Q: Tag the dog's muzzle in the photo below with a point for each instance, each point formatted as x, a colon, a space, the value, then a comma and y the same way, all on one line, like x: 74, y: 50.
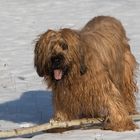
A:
x: 58, y: 68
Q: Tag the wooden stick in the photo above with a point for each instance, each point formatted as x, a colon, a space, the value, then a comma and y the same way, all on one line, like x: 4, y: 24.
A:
x: 55, y: 124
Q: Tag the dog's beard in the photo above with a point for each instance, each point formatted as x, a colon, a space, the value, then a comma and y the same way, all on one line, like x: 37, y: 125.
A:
x: 57, y: 68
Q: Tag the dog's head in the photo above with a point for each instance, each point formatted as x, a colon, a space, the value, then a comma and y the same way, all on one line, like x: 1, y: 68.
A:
x: 57, y: 52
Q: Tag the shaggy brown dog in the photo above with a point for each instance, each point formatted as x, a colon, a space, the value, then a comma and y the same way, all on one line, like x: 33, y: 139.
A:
x: 91, y: 72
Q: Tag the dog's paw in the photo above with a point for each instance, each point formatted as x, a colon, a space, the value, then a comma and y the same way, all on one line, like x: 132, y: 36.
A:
x: 120, y: 127
x: 53, y: 120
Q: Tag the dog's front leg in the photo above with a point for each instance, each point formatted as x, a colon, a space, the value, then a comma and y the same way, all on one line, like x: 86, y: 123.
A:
x: 60, y: 116
x: 118, y: 118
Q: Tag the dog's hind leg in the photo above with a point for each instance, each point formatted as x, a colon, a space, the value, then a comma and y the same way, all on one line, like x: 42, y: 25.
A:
x: 129, y: 85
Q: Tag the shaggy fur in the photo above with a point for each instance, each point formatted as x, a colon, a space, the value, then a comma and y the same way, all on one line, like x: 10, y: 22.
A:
x: 91, y: 72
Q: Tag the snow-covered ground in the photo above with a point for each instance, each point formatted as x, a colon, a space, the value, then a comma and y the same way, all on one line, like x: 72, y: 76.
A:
x: 23, y: 95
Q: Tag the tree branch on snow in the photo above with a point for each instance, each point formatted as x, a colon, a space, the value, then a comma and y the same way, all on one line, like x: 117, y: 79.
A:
x: 54, y: 125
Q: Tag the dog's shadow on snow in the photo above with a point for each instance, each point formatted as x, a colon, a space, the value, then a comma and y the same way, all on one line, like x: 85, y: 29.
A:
x: 32, y: 107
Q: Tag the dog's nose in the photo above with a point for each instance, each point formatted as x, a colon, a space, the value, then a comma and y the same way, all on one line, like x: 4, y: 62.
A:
x: 56, y: 61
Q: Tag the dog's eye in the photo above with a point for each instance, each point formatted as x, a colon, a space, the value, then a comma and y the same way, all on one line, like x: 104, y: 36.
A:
x: 64, y: 46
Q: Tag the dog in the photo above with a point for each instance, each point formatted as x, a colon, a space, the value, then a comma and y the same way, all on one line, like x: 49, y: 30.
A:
x: 91, y: 72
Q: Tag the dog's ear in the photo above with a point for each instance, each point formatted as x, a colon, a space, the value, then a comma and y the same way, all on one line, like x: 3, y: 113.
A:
x: 40, y: 51
x: 37, y: 59
x: 83, y: 67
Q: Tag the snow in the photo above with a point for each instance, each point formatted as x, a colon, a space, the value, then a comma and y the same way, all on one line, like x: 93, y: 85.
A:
x: 24, y: 100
